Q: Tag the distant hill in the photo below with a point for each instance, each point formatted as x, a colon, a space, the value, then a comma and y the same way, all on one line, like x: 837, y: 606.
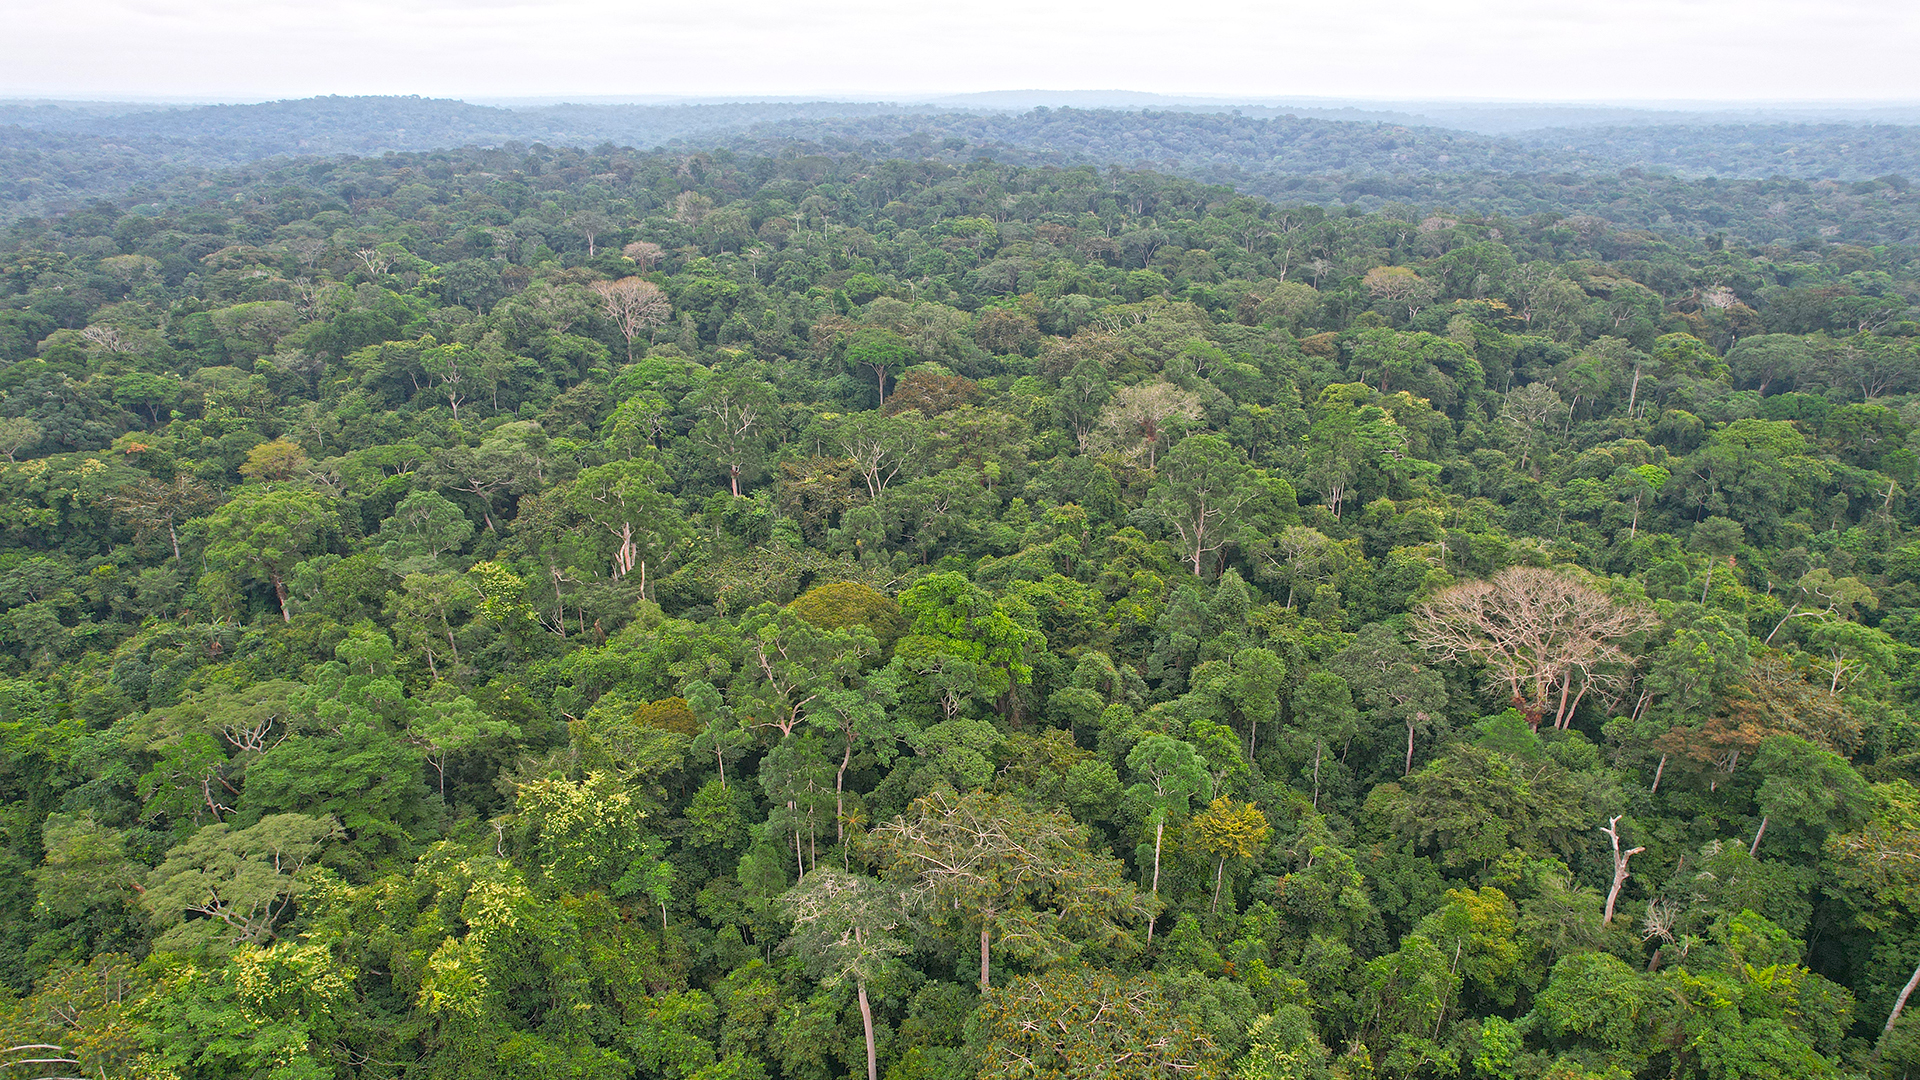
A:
x: 55, y: 156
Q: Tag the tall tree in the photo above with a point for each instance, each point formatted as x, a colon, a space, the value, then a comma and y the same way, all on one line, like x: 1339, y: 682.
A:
x: 1171, y: 775
x: 1202, y: 491
x: 261, y: 534
x: 1544, y: 636
x: 635, y: 307
x: 1020, y: 877
x: 844, y: 929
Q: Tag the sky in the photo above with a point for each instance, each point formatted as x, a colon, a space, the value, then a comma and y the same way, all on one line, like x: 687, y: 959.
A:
x: 1499, y: 50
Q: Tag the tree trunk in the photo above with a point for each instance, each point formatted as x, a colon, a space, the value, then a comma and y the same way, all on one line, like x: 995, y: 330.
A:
x: 1318, y: 746
x: 1159, y: 831
x: 866, y: 1021
x: 280, y: 590
x: 1899, y: 1005
x: 1219, y: 875
x: 175, y: 537
x: 1566, y: 720
x: 1751, y: 851
x: 1409, y: 768
x: 839, y: 795
x: 1658, y: 770
x: 986, y: 943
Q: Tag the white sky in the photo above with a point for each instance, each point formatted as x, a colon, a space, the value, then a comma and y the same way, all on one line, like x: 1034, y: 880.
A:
x: 1521, y: 50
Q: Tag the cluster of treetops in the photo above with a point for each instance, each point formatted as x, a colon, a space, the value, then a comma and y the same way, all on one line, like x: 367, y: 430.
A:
x: 573, y: 615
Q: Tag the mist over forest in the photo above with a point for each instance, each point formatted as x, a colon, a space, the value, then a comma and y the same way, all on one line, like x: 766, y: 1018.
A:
x: 1010, y: 587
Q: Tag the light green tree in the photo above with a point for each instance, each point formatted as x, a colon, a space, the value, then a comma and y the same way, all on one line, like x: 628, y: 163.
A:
x: 1170, y: 776
x: 844, y: 928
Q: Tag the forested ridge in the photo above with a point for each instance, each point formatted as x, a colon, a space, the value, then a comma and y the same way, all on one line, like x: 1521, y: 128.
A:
x: 799, y: 615
x: 1634, y: 167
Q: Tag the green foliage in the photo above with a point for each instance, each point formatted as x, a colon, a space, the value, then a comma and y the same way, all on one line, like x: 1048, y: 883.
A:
x: 420, y: 670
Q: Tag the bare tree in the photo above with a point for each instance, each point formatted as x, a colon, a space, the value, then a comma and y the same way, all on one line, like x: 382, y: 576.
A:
x: 1620, y: 858
x: 1544, y: 636
x: 633, y: 305
x: 645, y: 253
x: 376, y: 261
x: 1136, y: 422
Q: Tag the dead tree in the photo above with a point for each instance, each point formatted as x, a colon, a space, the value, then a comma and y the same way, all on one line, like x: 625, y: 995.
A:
x: 1620, y: 858
x: 633, y: 305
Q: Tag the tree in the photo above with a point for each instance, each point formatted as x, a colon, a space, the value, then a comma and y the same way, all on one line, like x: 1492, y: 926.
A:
x: 1810, y: 790
x: 1021, y: 877
x: 1201, y: 494
x: 1718, y: 538
x: 734, y: 412
x: 1395, y: 688
x: 510, y: 457
x: 964, y: 644
x: 261, y: 534
x: 86, y: 864
x: 424, y: 612
x: 1258, y: 679
x: 635, y: 306
x: 1354, y: 439
x: 590, y: 224
x: 19, y: 433
x: 1083, y: 392
x: 276, y: 461
x: 878, y: 350
x: 1090, y: 1024
x: 1136, y: 423
x: 1399, y: 286
x: 1171, y: 776
x: 451, y: 366
x: 239, y: 881
x: 1227, y: 828
x: 444, y: 725
x: 625, y: 501
x: 424, y: 526
x: 148, y: 391
x: 879, y: 446
x: 152, y: 505
x: 1323, y: 713
x: 1818, y: 594
x: 1543, y: 636
x: 843, y: 927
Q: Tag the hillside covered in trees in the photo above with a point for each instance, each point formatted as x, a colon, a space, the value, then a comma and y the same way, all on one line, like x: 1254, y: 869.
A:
x: 1632, y: 166
x: 797, y: 615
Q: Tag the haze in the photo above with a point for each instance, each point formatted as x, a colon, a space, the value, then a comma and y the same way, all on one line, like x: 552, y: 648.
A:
x: 1634, y: 50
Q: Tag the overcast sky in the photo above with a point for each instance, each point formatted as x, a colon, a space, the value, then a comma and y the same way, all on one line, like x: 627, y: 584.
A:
x: 1525, y: 50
